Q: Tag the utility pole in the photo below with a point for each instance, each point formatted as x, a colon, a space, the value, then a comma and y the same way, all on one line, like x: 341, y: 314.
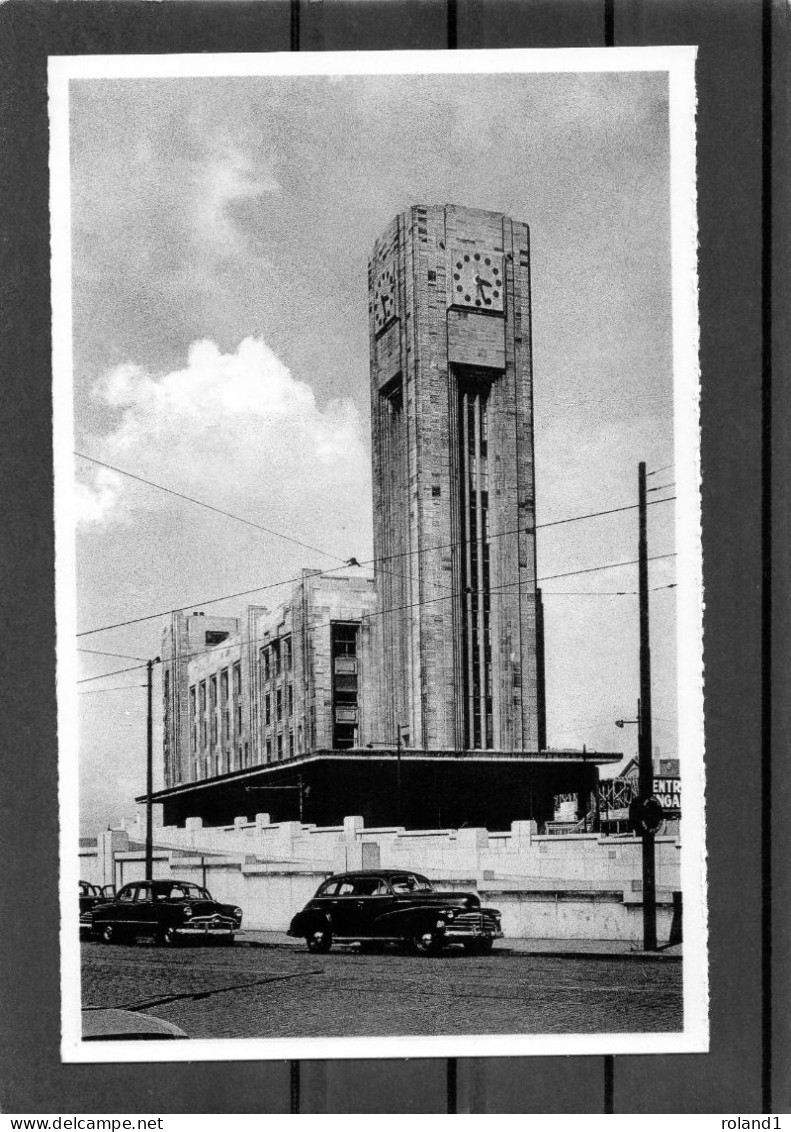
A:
x: 398, y: 774
x: 644, y: 730
x: 150, y: 773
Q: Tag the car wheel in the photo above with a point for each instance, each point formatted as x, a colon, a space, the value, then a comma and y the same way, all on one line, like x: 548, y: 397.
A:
x: 168, y: 937
x: 110, y: 934
x: 479, y: 947
x: 426, y: 943
x: 319, y: 941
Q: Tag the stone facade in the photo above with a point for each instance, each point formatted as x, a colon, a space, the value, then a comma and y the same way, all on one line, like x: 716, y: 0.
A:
x: 454, y: 496
x: 282, y: 683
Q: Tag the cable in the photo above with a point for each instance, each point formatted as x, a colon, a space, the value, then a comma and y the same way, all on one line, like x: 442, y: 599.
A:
x: 656, y: 471
x: 100, y: 652
x: 447, y: 597
x: 118, y: 688
x: 115, y: 672
x: 364, y: 562
x: 208, y: 506
x: 596, y: 514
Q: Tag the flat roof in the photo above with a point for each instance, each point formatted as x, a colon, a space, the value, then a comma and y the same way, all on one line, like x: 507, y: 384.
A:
x: 387, y: 754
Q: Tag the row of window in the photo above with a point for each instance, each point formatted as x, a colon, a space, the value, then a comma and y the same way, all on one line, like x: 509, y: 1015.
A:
x: 276, y: 658
x: 275, y: 705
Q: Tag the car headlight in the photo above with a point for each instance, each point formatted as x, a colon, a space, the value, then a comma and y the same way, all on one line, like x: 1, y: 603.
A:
x: 449, y: 914
x: 237, y: 912
x: 187, y: 912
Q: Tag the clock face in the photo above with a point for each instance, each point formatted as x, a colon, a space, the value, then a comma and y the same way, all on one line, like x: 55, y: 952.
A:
x: 476, y: 280
x: 384, y: 299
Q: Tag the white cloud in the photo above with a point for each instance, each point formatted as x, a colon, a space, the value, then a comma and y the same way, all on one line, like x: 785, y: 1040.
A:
x: 226, y: 177
x: 235, y: 430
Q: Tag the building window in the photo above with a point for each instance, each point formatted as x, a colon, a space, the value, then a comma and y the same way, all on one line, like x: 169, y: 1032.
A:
x: 203, y: 697
x: 280, y: 746
x: 213, y: 694
x: 276, y: 657
x: 269, y: 750
x: 237, y: 679
x: 291, y: 744
x: 287, y: 654
x: 216, y: 636
x: 268, y: 709
x: 214, y: 730
x: 279, y: 704
x: 343, y: 641
x: 267, y: 664
x: 224, y: 685
x: 227, y: 719
x: 238, y: 719
x: 291, y: 699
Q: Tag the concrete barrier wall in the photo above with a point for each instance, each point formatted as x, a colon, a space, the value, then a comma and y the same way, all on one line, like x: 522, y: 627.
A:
x: 270, y: 896
x: 518, y: 857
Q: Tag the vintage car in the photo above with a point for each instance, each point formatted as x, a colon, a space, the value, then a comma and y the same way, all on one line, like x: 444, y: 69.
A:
x: 90, y: 896
x: 395, y: 905
x: 169, y: 910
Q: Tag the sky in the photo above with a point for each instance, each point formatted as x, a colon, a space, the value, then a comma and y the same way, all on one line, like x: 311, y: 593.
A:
x: 221, y: 229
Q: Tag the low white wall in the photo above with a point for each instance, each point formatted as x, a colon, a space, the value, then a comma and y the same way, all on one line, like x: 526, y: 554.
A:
x: 518, y: 857
x: 270, y: 896
x: 578, y: 886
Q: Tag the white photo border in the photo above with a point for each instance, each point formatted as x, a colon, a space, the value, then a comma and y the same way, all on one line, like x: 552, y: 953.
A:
x: 679, y: 63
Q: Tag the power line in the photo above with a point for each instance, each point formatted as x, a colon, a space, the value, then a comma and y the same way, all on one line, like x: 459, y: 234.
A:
x: 447, y: 597
x: 208, y: 506
x: 100, y: 652
x: 597, y: 514
x: 656, y: 471
x: 117, y: 688
x: 365, y: 562
x: 115, y: 672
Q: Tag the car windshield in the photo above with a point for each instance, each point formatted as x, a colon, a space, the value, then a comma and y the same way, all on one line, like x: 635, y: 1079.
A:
x: 411, y: 882
x: 182, y: 891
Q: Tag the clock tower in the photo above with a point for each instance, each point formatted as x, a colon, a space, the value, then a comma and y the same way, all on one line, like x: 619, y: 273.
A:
x: 454, y: 497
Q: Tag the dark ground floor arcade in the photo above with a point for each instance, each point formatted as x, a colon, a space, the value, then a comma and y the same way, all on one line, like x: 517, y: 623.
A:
x: 414, y: 789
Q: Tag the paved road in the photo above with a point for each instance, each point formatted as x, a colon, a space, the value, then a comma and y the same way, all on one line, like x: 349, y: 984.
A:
x: 284, y: 991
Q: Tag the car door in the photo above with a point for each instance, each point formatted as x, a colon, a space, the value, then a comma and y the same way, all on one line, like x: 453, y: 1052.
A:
x: 373, y: 900
x: 343, y: 908
x: 145, y: 913
x: 361, y: 902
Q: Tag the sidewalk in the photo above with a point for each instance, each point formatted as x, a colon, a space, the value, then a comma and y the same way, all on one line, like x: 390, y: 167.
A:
x: 568, y: 948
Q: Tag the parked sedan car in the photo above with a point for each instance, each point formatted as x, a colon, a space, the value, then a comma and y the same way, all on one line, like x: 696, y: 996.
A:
x: 90, y: 896
x: 395, y: 905
x: 168, y: 910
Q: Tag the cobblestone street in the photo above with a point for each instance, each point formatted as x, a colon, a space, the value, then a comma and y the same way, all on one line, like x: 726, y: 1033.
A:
x: 281, y: 990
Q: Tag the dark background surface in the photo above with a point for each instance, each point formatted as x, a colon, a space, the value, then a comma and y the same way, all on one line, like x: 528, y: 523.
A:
x: 743, y: 119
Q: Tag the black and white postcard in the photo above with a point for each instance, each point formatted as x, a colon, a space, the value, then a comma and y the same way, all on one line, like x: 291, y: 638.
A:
x: 379, y: 579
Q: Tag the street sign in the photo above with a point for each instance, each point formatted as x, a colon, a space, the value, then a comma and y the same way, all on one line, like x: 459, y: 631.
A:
x: 646, y: 814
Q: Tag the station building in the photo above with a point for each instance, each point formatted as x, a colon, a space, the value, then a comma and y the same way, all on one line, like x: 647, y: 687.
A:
x: 416, y: 697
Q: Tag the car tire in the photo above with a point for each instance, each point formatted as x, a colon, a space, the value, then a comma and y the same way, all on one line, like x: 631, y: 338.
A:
x: 479, y: 947
x: 426, y: 943
x: 109, y: 933
x: 168, y: 937
x: 319, y: 942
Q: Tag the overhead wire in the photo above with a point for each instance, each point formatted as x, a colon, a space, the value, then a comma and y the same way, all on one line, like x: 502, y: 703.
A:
x: 447, y: 597
x: 365, y: 562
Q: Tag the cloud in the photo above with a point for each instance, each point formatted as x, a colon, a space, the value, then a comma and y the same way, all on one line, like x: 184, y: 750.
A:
x: 225, y: 178
x: 236, y: 430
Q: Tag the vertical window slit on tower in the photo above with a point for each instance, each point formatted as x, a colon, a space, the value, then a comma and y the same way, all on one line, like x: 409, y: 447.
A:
x: 476, y: 604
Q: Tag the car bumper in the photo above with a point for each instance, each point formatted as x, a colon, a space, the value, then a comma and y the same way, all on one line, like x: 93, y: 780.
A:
x: 208, y: 929
x: 462, y: 934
